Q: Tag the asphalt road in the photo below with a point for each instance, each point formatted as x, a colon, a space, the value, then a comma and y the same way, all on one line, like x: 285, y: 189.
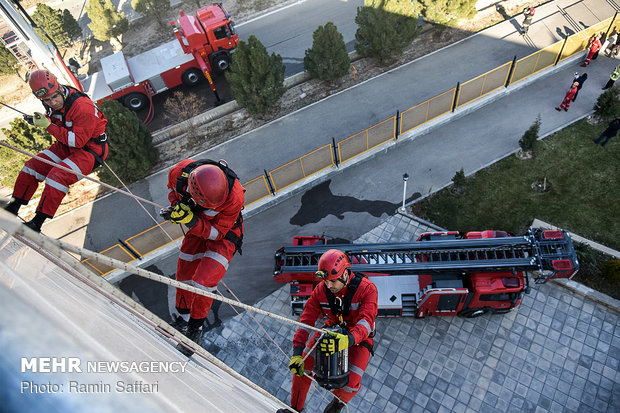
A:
x: 356, y: 199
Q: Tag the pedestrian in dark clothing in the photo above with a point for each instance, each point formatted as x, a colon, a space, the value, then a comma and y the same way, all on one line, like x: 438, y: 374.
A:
x: 581, y: 80
x: 612, y: 77
x: 528, y: 14
x: 610, y: 132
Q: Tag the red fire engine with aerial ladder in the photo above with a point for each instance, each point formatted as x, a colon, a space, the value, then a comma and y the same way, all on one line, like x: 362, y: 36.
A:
x: 440, y: 274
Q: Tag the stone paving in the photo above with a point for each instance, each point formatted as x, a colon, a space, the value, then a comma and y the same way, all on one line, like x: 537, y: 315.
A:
x: 557, y: 352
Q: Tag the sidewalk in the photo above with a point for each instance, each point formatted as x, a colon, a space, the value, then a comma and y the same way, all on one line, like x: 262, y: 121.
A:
x: 557, y: 352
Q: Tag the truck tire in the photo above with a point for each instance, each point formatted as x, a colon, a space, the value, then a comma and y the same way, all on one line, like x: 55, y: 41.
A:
x: 473, y: 312
x: 135, y: 101
x: 220, y: 62
x: 192, y: 77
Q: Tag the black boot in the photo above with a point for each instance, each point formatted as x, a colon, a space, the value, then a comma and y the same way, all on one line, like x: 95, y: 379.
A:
x: 288, y: 411
x: 36, y: 223
x: 194, y: 333
x: 14, y: 206
x: 334, y: 406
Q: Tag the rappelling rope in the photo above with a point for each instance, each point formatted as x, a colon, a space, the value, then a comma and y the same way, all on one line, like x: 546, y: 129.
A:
x: 81, y: 175
x: 54, y: 244
x: 67, y: 262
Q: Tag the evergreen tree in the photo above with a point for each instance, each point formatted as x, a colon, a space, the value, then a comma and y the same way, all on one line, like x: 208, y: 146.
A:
x: 23, y: 136
x: 131, y: 154
x: 328, y: 58
x: 61, y: 27
x: 256, y: 79
x: 8, y: 62
x: 71, y: 26
x: 152, y: 8
x: 106, y: 23
x: 529, y: 140
x: 381, y: 34
x: 448, y: 11
x: 408, y: 8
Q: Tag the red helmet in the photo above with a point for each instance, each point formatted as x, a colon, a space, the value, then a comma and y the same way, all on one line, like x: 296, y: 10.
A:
x: 43, y: 83
x: 208, y: 186
x: 332, y: 265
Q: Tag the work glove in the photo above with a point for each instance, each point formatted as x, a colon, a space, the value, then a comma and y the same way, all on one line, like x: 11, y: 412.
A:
x: 183, y: 214
x: 297, y: 365
x: 41, y: 121
x: 165, y: 213
x: 335, y: 342
x: 29, y: 119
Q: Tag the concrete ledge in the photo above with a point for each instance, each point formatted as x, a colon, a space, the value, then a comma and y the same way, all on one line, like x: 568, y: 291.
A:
x: 579, y: 288
x: 588, y: 292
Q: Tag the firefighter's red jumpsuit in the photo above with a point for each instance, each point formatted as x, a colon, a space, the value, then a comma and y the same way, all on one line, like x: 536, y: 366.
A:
x: 595, y: 46
x: 82, y: 123
x: 360, y: 322
x: 205, y: 254
x: 568, y: 98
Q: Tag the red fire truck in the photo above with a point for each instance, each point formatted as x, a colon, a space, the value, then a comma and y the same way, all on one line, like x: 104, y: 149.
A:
x: 440, y: 274
x: 203, y: 42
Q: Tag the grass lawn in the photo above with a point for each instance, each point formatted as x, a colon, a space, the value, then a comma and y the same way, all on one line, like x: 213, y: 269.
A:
x: 584, y: 194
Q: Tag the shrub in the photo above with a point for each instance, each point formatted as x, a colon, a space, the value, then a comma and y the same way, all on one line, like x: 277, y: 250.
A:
x: 131, y: 154
x: 530, y: 137
x: 256, y: 78
x: 611, y: 270
x: 608, y: 104
x: 459, y: 180
x: 328, y: 58
x: 381, y: 34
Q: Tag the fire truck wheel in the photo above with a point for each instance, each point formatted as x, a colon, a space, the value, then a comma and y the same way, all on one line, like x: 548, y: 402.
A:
x: 473, y: 312
x: 221, y: 62
x: 192, y: 76
x: 135, y: 101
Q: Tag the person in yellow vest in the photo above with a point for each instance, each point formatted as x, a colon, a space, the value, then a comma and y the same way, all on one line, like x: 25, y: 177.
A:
x: 613, y: 77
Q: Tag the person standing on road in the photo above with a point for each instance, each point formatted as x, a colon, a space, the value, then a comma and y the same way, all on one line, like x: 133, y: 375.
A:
x: 344, y: 299
x: 610, y: 132
x: 595, y: 45
x: 78, y: 126
x: 528, y: 14
x: 568, y: 98
x: 207, y: 197
x: 615, y: 74
x: 580, y: 80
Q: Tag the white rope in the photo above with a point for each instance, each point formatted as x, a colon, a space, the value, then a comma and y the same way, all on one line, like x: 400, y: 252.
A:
x: 51, y: 249
x: 79, y: 174
x: 111, y: 262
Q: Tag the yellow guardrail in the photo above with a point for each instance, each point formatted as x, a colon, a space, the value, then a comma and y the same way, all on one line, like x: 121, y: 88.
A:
x: 426, y: 111
x: 322, y: 158
x: 302, y: 167
x: 367, y: 139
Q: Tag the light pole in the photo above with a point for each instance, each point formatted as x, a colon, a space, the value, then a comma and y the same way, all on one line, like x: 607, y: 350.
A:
x: 405, y: 178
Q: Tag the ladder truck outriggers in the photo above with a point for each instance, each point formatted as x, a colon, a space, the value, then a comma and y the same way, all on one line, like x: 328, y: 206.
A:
x: 440, y: 274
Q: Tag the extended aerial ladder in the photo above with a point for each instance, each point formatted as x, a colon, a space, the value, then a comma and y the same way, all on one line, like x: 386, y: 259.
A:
x: 458, y: 270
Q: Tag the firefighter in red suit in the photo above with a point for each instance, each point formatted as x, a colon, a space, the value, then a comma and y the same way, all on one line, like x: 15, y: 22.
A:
x: 207, y: 197
x: 78, y: 126
x: 595, y: 45
x: 340, y: 289
x: 568, y: 98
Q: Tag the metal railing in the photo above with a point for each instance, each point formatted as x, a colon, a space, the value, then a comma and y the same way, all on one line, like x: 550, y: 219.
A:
x: 345, y: 150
